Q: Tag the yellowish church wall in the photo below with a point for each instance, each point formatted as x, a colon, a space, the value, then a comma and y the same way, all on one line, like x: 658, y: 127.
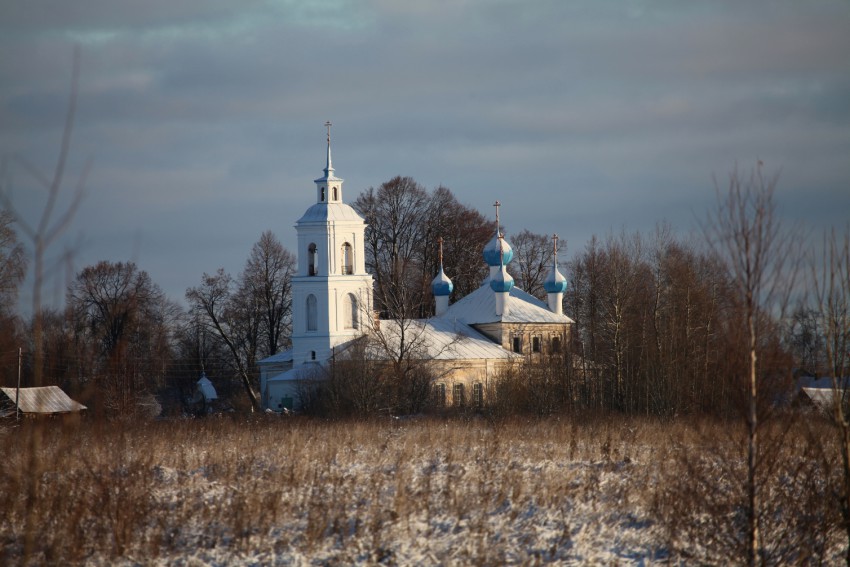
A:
x: 504, y: 334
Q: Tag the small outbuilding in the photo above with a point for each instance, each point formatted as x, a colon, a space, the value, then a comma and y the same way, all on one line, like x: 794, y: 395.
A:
x: 46, y: 400
x: 821, y: 392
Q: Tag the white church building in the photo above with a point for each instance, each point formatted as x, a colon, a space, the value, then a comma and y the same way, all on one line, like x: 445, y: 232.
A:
x: 468, y: 343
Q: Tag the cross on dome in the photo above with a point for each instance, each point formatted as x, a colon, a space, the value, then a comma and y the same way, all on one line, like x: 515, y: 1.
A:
x: 555, y: 282
x: 498, y: 251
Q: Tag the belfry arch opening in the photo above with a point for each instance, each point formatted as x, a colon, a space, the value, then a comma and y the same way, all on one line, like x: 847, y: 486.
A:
x: 312, y: 259
x: 347, y: 259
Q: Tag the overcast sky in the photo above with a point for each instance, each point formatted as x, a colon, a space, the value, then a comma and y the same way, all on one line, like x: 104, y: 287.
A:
x: 204, y: 118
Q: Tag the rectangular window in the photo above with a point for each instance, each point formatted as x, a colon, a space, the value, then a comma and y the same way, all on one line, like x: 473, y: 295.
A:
x: 535, y: 344
x: 440, y: 395
x: 457, y: 395
x: 556, y: 344
x: 478, y: 394
x: 517, y: 344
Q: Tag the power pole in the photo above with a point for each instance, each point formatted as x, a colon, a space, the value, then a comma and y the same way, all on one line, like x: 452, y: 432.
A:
x: 18, y: 389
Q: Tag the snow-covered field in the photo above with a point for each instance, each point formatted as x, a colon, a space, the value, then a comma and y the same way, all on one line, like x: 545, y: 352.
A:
x: 463, y: 491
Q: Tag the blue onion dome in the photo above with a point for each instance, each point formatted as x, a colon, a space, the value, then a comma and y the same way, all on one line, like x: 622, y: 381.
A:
x: 555, y: 282
x: 502, y: 281
x: 441, y: 285
x: 492, y: 255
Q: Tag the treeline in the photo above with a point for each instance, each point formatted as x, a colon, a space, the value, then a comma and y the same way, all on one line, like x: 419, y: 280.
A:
x: 660, y: 326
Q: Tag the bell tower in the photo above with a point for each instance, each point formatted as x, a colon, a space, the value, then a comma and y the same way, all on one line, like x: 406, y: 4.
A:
x: 331, y: 292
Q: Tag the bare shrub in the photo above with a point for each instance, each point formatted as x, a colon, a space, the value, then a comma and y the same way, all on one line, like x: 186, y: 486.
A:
x: 704, y: 506
x: 277, y: 491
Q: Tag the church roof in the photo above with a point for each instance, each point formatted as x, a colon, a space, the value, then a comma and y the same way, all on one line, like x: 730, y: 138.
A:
x: 307, y: 371
x: 282, y: 356
x: 437, y: 338
x: 323, y: 212
x: 479, y: 307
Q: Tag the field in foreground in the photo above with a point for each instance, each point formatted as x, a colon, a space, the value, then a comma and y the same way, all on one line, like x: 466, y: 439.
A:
x: 422, y: 491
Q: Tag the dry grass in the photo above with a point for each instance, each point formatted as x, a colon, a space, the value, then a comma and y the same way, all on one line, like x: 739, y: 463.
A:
x: 272, y: 491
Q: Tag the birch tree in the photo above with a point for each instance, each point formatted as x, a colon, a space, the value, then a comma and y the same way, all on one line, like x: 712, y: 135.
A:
x: 746, y: 232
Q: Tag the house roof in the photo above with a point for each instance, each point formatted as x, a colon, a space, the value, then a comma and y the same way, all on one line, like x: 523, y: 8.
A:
x: 820, y: 390
x: 43, y: 400
x: 480, y: 307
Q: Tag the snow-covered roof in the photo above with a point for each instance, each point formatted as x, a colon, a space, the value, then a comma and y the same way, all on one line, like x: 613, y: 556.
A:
x: 283, y: 356
x: 306, y: 371
x: 820, y: 390
x: 46, y: 399
x: 323, y: 212
x: 480, y: 307
x: 437, y: 338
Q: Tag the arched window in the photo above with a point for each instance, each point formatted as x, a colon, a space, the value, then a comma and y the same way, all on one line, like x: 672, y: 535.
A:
x: 323, y: 194
x: 312, y: 259
x: 312, y: 313
x: 350, y: 313
x: 347, y: 259
x: 336, y: 194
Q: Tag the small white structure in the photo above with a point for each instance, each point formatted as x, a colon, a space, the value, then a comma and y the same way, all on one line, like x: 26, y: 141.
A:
x: 205, y: 389
x: 469, y: 341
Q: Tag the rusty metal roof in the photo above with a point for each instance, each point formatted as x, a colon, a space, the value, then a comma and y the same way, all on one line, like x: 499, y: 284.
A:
x: 47, y: 399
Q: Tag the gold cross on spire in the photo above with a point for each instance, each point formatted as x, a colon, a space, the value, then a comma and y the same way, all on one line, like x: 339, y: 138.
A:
x: 328, y: 126
x: 440, y: 242
x: 497, y: 204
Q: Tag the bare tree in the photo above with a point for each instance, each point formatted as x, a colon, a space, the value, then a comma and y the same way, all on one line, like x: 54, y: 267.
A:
x: 267, y: 279
x: 403, y: 224
x: 760, y: 258
x: 122, y: 318
x: 251, y: 316
x: 831, y: 282
x: 43, y: 234
x: 13, y: 263
x: 48, y: 228
x: 393, y: 216
x: 533, y: 259
x: 465, y: 232
x: 233, y: 320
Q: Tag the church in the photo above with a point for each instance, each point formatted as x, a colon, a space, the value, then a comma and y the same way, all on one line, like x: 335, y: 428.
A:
x: 468, y: 343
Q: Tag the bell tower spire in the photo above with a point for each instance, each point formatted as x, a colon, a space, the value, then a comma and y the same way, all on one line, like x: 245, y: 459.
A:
x: 329, y: 186
x: 329, y: 168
